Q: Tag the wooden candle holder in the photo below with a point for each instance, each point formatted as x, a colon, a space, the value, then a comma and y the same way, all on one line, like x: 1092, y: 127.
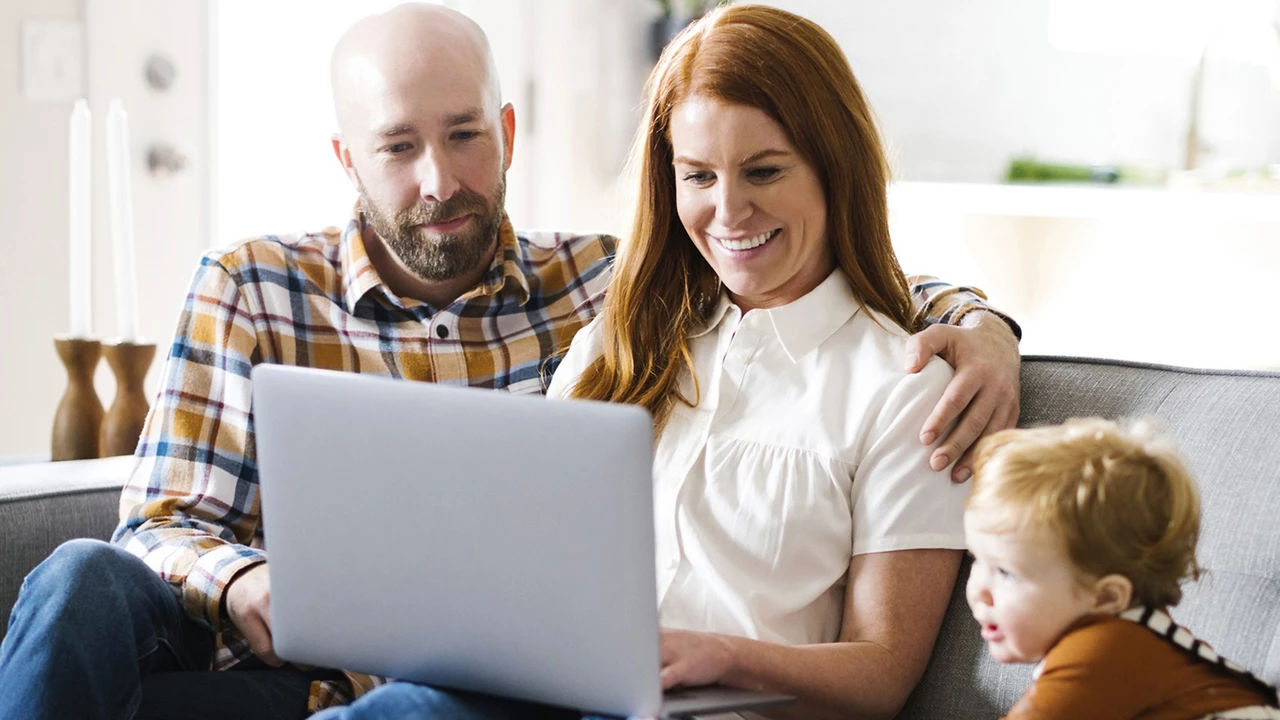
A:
x: 77, y: 421
x: 122, y: 425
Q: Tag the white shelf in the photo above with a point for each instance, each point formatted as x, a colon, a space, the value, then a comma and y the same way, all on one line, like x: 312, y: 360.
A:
x: 1175, y: 276
x: 1085, y: 201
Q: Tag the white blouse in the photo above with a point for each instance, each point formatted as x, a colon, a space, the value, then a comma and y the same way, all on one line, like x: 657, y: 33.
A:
x: 802, y: 451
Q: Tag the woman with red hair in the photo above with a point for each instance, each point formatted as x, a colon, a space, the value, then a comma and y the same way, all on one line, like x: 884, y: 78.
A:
x: 759, y: 313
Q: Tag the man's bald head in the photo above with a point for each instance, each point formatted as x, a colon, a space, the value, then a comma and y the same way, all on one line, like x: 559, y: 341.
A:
x: 424, y: 141
x: 388, y: 53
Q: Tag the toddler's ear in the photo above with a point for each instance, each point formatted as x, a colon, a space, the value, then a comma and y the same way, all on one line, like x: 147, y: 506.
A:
x: 1112, y: 594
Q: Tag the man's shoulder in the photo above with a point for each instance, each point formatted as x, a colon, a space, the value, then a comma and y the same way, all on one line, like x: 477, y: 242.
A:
x: 276, y: 250
x: 567, y: 265
x: 274, y: 246
x: 549, y: 244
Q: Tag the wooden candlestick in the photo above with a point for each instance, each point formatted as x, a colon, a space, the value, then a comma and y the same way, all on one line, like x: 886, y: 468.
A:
x: 122, y: 425
x: 79, y: 414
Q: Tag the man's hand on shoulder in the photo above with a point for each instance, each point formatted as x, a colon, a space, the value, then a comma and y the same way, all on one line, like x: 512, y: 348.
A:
x: 248, y: 602
x: 984, y: 394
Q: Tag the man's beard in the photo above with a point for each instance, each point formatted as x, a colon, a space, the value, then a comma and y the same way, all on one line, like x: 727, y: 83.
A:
x: 440, y: 256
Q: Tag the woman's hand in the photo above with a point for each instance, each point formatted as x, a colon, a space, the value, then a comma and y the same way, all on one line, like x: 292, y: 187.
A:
x: 694, y: 658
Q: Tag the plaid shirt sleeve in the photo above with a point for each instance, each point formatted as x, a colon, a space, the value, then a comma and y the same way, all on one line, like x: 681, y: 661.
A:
x: 190, y: 507
x: 936, y: 302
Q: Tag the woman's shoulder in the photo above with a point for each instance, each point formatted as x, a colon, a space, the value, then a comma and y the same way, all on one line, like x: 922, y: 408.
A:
x: 873, y: 340
x: 587, y: 345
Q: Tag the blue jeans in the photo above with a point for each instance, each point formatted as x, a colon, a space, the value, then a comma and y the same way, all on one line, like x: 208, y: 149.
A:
x: 95, y: 633
x: 419, y: 702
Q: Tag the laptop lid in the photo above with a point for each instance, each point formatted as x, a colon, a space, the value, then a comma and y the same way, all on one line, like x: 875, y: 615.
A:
x: 465, y: 538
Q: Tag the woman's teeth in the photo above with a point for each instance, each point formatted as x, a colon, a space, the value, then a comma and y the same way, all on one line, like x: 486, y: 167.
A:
x: 747, y: 243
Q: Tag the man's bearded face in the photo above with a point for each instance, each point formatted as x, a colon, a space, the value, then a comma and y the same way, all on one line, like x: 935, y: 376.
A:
x: 440, y: 256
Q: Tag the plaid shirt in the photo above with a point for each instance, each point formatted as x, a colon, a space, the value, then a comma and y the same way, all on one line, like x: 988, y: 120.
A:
x: 190, y: 507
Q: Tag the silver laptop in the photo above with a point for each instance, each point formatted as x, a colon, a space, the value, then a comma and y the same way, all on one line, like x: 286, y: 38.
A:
x: 465, y: 539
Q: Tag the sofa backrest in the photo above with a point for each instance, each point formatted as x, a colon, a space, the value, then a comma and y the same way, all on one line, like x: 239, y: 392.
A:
x: 45, y: 504
x: 1228, y: 426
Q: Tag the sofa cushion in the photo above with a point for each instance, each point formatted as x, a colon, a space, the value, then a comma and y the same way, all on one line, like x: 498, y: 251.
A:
x: 1226, y: 424
x: 44, y: 504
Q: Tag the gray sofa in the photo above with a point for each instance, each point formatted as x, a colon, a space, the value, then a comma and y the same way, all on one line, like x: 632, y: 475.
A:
x: 1228, y: 424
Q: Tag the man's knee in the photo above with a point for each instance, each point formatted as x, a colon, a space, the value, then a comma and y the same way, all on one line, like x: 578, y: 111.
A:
x: 92, y: 561
x: 84, y: 572
x: 402, y: 699
x: 393, y: 700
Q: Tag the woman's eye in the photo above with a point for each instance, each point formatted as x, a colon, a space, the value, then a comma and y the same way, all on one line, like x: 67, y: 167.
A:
x: 1004, y: 574
x: 697, y: 178
x: 762, y: 173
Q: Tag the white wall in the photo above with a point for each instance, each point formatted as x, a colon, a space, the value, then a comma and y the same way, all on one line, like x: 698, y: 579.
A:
x: 33, y: 248
x: 1169, y: 276
x: 274, y: 171
x: 170, y: 216
x: 961, y: 87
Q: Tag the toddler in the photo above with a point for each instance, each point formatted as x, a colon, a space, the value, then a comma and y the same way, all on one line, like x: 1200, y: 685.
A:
x: 1081, y: 535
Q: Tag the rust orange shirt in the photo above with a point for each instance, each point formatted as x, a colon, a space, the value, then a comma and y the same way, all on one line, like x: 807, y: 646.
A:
x: 1138, y: 665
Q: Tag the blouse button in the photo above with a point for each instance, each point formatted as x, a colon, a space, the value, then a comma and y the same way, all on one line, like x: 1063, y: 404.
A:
x: 442, y: 331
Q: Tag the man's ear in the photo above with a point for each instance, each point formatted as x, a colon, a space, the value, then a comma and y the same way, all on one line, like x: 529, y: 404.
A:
x: 508, y: 134
x: 1112, y: 594
x: 343, y: 153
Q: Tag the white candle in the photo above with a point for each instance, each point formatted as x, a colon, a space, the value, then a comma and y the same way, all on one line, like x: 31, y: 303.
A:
x: 121, y: 195
x: 79, y: 185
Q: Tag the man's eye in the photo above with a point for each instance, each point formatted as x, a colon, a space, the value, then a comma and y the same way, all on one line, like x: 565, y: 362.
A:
x: 465, y: 135
x: 398, y: 148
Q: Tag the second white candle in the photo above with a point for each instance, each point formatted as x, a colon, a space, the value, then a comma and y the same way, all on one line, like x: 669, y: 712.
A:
x: 121, y: 196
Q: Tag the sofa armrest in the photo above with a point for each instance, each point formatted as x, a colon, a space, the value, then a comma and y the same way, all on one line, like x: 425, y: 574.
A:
x: 45, y: 504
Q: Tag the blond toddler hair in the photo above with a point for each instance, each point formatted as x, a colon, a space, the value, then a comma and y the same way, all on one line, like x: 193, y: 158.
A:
x: 1117, y: 494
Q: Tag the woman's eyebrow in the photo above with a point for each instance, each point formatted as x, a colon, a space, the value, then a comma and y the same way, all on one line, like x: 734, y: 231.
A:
x: 769, y: 152
x: 754, y: 157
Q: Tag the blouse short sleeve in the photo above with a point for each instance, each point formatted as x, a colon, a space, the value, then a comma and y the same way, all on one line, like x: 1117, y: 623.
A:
x: 898, y: 502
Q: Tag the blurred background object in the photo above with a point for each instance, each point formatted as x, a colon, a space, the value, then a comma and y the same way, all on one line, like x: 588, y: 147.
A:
x: 1166, y: 113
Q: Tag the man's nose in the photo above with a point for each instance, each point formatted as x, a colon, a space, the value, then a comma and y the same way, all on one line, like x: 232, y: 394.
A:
x: 437, y: 180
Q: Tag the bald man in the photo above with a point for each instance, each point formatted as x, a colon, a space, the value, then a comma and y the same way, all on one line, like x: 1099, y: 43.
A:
x: 428, y: 281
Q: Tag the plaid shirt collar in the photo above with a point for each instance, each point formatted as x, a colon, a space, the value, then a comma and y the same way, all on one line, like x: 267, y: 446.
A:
x: 508, y: 270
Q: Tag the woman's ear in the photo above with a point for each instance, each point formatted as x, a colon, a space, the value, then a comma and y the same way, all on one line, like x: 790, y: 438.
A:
x: 1112, y: 594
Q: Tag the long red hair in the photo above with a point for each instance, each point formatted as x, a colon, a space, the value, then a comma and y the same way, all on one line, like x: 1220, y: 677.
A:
x: 662, y: 289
